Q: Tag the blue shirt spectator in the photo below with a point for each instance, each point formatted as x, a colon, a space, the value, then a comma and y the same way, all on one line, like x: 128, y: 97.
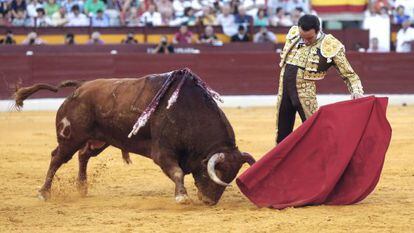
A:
x: 100, y: 19
x: 400, y: 15
x: 242, y: 18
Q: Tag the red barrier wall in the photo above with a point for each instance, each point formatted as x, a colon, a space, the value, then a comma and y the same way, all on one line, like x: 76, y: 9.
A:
x: 230, y: 73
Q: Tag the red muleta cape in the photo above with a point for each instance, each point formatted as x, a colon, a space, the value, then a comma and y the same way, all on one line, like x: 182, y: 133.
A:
x: 335, y: 157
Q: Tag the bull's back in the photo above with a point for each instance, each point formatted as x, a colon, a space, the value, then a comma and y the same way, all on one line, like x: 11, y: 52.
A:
x: 119, y: 96
x: 110, y: 107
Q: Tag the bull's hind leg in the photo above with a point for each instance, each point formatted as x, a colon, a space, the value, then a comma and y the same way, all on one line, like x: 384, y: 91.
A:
x: 91, y: 149
x: 62, y: 154
x: 171, y: 168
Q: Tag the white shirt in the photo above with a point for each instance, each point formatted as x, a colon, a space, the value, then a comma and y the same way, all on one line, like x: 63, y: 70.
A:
x: 31, y: 9
x: 379, y: 27
x: 178, y: 7
x: 404, y: 37
x: 228, y: 24
x: 154, y: 18
x: 76, y: 21
x: 253, y: 5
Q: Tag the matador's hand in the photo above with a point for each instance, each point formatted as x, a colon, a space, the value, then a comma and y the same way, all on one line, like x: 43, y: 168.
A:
x: 355, y: 96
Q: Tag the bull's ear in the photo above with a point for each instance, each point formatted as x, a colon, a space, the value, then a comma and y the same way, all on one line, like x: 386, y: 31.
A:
x: 247, y: 158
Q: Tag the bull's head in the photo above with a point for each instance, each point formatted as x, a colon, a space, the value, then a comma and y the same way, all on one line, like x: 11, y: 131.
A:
x: 216, y: 172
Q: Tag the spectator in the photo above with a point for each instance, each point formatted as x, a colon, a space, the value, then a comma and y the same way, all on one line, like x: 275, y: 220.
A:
x: 264, y: 36
x: 207, y: 16
x: 261, y: 19
x: 32, y: 7
x: 183, y: 36
x: 189, y: 17
x: 405, y: 37
x: 400, y: 15
x: 69, y: 39
x: 4, y: 7
x: 165, y: 8
x: 296, y: 14
x: 272, y: 6
x: 92, y: 6
x: 179, y: 6
x: 408, y: 5
x: 242, y: 18
x: 32, y: 39
x: 379, y: 27
x: 253, y: 6
x: 209, y: 37
x: 227, y: 21
x: 17, y: 5
x: 132, y: 19
x: 60, y: 18
x: 129, y: 39
x: 234, y: 6
x: 68, y: 4
x: 241, y: 35
x: 42, y: 20
x: 51, y: 7
x: 9, y: 39
x: 76, y: 18
x: 100, y: 19
x: 168, y: 19
x: 379, y: 4
x: 95, y: 39
x: 281, y: 18
x: 164, y: 47
x: 151, y: 17
x: 20, y: 19
x: 113, y: 9
x: 292, y: 5
x: 127, y: 4
x: 374, y: 46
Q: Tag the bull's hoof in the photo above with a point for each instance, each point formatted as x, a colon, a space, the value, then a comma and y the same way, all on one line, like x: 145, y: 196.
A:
x: 182, y: 199
x: 43, y: 195
x: 205, y: 200
x: 82, y: 189
x: 127, y: 161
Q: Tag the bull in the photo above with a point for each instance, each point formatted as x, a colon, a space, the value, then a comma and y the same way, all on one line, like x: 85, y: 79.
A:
x: 185, y: 133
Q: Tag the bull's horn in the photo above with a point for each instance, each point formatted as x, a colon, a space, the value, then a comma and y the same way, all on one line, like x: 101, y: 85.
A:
x: 216, y: 158
x: 248, y: 158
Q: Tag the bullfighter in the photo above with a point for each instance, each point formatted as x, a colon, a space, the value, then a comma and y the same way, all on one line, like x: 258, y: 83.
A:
x: 306, y: 57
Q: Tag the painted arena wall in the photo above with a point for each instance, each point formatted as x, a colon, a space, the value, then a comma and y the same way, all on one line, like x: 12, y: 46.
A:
x: 230, y: 73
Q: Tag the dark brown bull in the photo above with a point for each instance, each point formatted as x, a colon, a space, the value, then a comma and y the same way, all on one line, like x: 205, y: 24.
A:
x: 191, y: 136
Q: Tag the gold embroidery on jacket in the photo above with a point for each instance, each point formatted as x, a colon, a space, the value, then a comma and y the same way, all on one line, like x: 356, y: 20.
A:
x: 330, y: 46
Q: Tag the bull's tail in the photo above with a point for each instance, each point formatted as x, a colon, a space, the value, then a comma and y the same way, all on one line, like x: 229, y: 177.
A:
x: 23, y: 93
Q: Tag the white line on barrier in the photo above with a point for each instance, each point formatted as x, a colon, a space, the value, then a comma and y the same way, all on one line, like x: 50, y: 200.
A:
x: 231, y: 101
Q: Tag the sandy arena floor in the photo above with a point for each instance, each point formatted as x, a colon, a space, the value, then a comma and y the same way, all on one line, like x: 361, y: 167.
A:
x: 139, y: 198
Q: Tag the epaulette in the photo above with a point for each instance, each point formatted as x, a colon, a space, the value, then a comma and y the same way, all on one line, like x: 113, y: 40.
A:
x: 293, y: 32
x: 330, y: 46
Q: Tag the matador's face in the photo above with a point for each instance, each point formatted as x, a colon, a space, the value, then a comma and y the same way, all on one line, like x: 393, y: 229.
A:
x: 309, y: 37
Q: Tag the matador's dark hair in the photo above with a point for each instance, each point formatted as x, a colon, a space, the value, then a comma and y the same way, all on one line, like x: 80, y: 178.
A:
x: 308, y: 22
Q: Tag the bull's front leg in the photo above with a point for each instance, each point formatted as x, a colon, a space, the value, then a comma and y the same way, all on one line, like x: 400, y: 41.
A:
x: 171, y: 168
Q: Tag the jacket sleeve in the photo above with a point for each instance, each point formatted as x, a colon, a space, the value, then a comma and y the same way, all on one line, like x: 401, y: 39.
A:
x: 348, y: 74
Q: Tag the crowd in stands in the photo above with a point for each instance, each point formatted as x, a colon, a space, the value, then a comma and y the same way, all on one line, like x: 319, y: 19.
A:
x: 379, y: 17
x: 105, y: 13
x: 234, y: 16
